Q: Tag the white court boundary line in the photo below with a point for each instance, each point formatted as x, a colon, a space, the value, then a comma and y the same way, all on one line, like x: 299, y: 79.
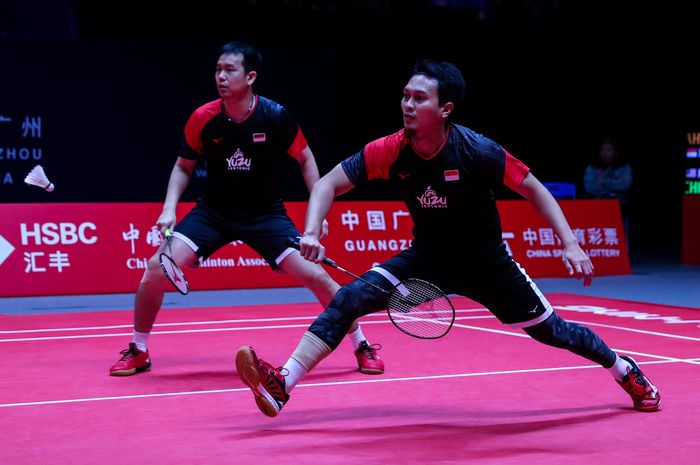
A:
x: 210, y: 330
x: 633, y: 330
x: 380, y: 314
x: 662, y: 359
x: 587, y: 323
x: 334, y: 383
x: 195, y: 323
x: 645, y: 354
x: 384, y: 320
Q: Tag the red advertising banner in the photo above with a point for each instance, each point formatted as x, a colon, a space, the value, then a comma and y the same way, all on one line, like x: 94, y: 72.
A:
x: 92, y: 248
x: 597, y: 225
x: 690, y: 250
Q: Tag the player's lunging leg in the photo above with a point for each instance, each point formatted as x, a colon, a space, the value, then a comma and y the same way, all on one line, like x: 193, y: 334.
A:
x: 271, y: 386
x: 556, y: 332
x: 317, y: 280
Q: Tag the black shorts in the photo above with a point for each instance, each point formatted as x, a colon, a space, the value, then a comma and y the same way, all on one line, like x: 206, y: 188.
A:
x: 206, y: 231
x: 500, y: 285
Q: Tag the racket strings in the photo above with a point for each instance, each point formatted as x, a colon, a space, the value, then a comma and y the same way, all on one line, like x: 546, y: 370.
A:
x: 421, y: 309
x: 174, y: 274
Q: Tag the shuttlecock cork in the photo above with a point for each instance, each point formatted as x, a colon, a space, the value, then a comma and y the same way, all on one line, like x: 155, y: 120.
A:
x: 37, y: 177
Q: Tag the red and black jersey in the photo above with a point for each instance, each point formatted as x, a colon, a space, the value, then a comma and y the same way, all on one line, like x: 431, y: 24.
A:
x: 243, y: 158
x: 449, y: 194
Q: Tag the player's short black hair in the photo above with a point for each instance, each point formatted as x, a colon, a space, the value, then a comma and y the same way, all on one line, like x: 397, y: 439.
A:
x: 451, y: 86
x: 252, y: 58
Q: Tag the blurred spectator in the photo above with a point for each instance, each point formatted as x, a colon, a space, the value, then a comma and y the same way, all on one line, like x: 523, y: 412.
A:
x: 609, y: 177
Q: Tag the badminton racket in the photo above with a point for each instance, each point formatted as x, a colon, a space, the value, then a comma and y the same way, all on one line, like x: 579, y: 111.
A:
x: 172, y: 271
x: 416, y: 307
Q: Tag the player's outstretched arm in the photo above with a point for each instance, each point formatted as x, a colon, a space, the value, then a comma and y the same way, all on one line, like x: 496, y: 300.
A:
x: 333, y: 184
x: 577, y: 263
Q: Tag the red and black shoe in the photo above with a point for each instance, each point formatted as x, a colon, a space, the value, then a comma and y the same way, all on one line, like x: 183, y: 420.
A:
x: 645, y: 396
x: 367, y: 359
x: 266, y: 382
x: 133, y: 361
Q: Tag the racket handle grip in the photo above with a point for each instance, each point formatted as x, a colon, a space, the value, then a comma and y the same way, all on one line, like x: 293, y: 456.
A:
x: 292, y: 242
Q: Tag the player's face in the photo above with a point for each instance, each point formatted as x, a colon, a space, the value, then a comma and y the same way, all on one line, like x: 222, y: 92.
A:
x: 420, y: 104
x: 231, y: 78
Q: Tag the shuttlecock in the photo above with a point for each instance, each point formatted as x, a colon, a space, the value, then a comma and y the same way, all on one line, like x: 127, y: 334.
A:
x: 37, y: 177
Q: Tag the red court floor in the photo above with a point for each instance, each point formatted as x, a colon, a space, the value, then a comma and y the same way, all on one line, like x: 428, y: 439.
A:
x: 484, y: 394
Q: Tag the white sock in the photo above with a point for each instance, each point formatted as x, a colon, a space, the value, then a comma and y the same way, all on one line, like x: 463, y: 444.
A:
x: 619, y: 368
x: 357, y: 337
x: 141, y: 340
x: 295, y: 372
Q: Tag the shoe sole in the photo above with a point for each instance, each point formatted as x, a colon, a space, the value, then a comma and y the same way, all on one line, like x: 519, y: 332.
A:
x: 246, y: 363
x: 133, y: 371
x: 371, y: 371
x: 648, y: 408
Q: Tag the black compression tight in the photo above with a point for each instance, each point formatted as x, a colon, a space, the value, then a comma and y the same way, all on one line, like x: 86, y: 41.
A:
x: 358, y: 299
x: 350, y: 303
x: 573, y: 337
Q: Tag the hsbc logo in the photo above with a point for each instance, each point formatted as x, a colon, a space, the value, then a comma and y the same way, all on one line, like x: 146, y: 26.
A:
x: 58, y: 233
x: 5, y: 249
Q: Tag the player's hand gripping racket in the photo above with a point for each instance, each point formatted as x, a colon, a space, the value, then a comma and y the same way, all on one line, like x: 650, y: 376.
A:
x: 418, y: 308
x: 171, y: 270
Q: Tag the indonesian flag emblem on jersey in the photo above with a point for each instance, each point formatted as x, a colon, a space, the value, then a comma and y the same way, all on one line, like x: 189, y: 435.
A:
x: 451, y: 175
x: 258, y: 137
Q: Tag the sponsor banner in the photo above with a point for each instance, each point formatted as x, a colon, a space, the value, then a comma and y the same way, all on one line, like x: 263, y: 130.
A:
x: 690, y: 250
x: 597, y: 225
x: 92, y: 248
x: 103, y: 248
x: 364, y: 234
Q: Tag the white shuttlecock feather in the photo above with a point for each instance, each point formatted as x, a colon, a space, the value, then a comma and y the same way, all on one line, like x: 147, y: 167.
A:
x: 37, y: 177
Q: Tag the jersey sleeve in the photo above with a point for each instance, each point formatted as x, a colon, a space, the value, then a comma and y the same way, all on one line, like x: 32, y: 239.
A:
x: 355, y: 168
x: 192, y: 146
x: 298, y: 144
x: 375, y: 159
x: 380, y: 154
x: 498, y: 166
x: 192, y: 140
x: 291, y: 133
x: 515, y: 171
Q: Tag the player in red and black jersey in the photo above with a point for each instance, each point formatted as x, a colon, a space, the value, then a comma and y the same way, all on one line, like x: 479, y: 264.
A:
x: 244, y: 154
x: 244, y: 138
x: 446, y: 174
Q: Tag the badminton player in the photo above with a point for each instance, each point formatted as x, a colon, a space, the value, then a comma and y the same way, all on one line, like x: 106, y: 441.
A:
x: 243, y: 137
x: 446, y: 174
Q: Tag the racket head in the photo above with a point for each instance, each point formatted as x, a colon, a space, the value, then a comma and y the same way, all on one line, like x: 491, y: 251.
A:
x: 174, y: 274
x: 420, y: 309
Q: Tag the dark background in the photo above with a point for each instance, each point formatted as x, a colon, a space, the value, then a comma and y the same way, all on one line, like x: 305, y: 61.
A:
x: 116, y: 82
